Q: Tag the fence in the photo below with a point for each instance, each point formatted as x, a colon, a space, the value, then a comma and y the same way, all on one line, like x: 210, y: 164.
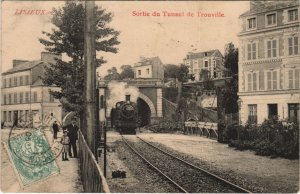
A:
x: 207, y: 129
x: 92, y: 177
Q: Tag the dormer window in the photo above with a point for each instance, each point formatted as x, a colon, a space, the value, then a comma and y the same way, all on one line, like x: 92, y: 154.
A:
x: 271, y: 19
x: 292, y: 15
x: 251, y: 23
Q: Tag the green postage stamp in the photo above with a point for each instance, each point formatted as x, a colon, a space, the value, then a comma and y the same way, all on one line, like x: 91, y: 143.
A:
x: 32, y: 156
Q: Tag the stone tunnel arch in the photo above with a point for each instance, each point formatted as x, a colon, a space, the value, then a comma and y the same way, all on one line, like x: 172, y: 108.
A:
x: 149, y: 103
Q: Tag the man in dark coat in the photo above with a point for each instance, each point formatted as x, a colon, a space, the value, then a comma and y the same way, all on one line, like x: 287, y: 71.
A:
x: 73, y: 135
x: 55, y: 129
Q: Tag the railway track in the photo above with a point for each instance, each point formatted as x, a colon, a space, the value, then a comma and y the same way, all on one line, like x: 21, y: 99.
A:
x: 185, y: 176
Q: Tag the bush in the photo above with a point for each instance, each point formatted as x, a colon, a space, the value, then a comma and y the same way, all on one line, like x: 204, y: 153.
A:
x: 271, y: 138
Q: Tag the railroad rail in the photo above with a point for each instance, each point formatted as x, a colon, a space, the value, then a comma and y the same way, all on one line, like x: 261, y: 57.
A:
x: 158, y: 170
x: 198, y: 168
x: 200, y: 174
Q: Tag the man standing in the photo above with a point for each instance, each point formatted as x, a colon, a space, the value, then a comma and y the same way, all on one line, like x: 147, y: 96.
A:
x: 55, y: 129
x: 73, y: 135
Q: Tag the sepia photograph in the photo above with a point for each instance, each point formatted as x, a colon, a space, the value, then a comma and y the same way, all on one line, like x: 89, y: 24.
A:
x: 150, y: 96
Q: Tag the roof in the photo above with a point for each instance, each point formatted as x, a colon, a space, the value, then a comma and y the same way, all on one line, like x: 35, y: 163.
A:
x: 147, y: 61
x: 23, y: 67
x: 202, y: 54
x: 270, y: 6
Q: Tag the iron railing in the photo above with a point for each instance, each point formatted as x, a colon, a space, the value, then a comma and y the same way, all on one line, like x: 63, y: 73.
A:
x: 92, y: 176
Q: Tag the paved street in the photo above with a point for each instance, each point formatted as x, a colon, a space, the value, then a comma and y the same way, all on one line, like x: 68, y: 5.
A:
x: 67, y: 180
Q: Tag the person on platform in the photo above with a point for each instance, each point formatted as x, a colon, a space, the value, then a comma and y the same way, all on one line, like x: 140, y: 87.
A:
x: 55, y: 129
x: 73, y: 135
x: 65, y: 141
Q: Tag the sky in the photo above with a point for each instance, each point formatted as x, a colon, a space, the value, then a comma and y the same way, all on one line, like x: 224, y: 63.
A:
x: 168, y: 37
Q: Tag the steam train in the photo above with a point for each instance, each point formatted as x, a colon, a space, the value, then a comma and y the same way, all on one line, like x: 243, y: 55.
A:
x: 124, y: 116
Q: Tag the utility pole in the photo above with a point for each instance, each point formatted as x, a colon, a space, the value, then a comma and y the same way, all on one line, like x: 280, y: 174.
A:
x: 90, y: 74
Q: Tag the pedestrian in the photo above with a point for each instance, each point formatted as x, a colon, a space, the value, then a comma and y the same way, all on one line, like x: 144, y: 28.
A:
x: 73, y: 135
x: 55, y: 129
x: 65, y: 141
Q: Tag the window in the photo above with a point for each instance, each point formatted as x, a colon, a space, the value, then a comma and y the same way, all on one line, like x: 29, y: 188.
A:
x: 139, y: 72
x: 147, y: 71
x: 252, y: 81
x: 293, y: 15
x: 293, y: 45
x: 205, y: 54
x: 251, y: 50
x: 51, y: 98
x: 21, y: 81
x: 252, y: 23
x: 272, y: 80
x: 215, y: 64
x: 271, y: 19
x: 9, y: 116
x: 27, y: 80
x: 15, y: 81
x: 4, y: 99
x: 21, y: 97
x: 9, y: 99
x: 4, y: 83
x: 21, y: 116
x: 34, y: 97
x: 293, y: 111
x: 205, y: 63
x: 271, y: 48
x: 27, y: 97
x: 272, y: 111
x: 294, y: 78
x: 15, y: 98
x: 4, y: 116
x: 252, y: 116
x: 26, y: 115
x: 10, y: 82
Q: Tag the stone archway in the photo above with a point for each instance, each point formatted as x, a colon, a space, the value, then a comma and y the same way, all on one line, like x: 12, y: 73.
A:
x: 149, y: 103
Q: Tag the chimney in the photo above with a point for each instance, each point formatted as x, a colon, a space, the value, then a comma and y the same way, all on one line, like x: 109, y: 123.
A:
x: 127, y: 97
x: 50, y: 57
x: 256, y: 4
x: 17, y: 62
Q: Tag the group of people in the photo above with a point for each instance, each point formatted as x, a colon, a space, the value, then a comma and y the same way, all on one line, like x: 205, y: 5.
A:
x: 68, y: 140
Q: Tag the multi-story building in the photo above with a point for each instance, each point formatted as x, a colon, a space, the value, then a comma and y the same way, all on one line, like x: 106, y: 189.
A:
x: 23, y: 92
x: 269, y: 61
x: 211, y: 61
x: 149, y: 68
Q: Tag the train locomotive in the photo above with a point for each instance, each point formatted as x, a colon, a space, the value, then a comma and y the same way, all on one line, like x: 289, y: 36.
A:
x: 124, y: 116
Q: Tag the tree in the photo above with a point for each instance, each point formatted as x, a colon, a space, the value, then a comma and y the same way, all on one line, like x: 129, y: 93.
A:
x: 182, y: 76
x: 170, y: 70
x: 231, y: 87
x: 126, y: 72
x: 68, y: 38
x: 208, y: 84
x: 112, y: 74
x: 231, y: 58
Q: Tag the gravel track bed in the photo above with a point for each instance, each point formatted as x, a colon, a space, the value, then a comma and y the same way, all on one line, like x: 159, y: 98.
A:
x: 227, y: 175
x: 192, y: 180
x: 150, y: 181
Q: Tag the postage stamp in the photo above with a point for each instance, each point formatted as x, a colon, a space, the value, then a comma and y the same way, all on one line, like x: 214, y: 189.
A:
x: 32, y: 156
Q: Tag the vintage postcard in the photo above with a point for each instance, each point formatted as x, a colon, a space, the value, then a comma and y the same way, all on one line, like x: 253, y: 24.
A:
x: 150, y: 96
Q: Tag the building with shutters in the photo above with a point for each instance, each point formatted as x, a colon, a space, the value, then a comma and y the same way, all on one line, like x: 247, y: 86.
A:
x: 269, y: 61
x: 210, y: 61
x: 149, y: 68
x: 24, y: 93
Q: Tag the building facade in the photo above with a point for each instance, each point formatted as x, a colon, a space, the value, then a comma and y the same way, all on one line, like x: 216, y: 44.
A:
x: 23, y: 93
x: 211, y: 62
x: 149, y: 68
x: 269, y: 61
